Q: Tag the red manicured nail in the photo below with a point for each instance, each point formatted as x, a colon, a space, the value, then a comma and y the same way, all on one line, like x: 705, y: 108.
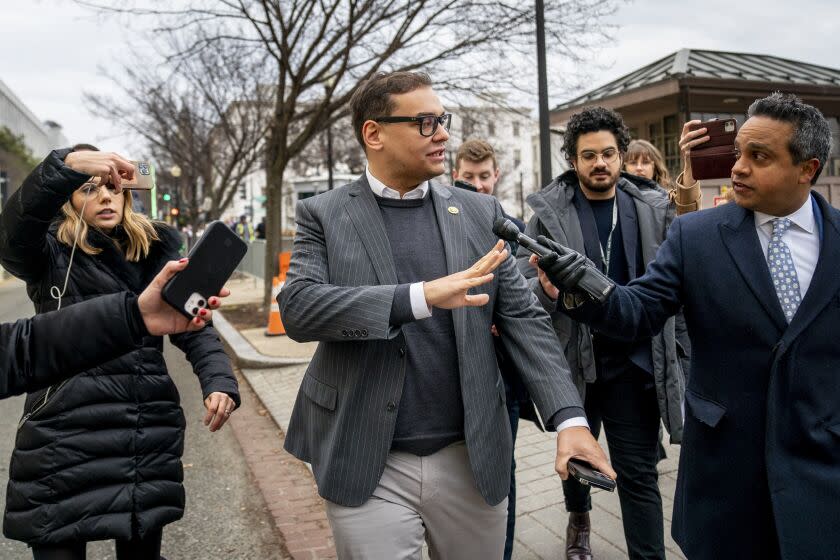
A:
x: 183, y: 260
x: 213, y: 301
x: 203, y: 312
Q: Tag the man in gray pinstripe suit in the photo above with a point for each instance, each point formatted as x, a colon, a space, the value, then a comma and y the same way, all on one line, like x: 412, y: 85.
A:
x: 401, y: 412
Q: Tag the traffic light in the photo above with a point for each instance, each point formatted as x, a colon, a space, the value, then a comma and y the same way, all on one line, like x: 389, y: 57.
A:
x: 174, y: 212
x: 167, y: 197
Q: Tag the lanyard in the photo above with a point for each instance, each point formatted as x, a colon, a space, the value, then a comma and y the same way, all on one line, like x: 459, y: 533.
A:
x: 605, y: 257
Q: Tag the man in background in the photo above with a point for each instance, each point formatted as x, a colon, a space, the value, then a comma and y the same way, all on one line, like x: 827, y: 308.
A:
x: 618, y: 221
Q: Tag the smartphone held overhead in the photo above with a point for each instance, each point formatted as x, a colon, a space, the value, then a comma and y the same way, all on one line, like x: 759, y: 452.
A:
x: 143, y: 179
x: 714, y: 159
x: 211, y: 262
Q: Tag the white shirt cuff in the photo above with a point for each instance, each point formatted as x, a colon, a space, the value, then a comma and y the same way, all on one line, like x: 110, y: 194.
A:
x: 577, y: 421
x: 419, y: 308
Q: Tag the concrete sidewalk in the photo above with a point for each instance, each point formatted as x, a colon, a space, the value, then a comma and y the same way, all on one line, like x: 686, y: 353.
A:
x: 274, y: 367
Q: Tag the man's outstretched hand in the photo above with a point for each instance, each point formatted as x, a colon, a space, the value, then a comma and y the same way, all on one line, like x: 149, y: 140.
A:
x: 577, y: 443
x: 450, y: 292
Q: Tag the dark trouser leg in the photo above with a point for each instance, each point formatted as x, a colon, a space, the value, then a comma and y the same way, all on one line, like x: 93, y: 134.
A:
x: 631, y: 421
x: 576, y: 494
x: 147, y: 548
x: 513, y: 412
x: 69, y: 551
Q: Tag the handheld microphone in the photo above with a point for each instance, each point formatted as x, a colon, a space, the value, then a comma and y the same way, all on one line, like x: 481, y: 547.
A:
x: 508, y: 231
x: 594, y: 282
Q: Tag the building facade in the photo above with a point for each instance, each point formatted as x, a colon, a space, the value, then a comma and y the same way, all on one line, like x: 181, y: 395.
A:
x: 658, y: 99
x: 512, y: 133
x: 39, y: 137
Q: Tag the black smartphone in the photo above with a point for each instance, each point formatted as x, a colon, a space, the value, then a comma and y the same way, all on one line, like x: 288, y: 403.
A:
x: 586, y: 475
x: 212, y: 260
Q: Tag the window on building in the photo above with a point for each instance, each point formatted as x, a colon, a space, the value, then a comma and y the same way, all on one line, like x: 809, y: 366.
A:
x: 665, y: 135
x: 491, y: 129
x: 517, y: 158
x: 516, y: 128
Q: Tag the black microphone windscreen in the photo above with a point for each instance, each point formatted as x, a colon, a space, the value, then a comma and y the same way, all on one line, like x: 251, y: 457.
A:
x: 506, y: 229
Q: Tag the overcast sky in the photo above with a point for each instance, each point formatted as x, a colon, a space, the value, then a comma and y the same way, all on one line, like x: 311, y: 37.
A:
x: 50, y: 50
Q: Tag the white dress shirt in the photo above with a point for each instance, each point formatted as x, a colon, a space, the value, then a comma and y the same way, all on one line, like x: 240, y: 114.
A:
x: 419, y: 308
x: 802, y: 238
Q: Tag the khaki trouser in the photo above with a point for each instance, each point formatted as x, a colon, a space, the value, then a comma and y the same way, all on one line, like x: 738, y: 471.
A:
x: 432, y: 499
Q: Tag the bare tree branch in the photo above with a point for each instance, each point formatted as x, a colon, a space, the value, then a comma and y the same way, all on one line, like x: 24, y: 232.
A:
x: 316, y: 52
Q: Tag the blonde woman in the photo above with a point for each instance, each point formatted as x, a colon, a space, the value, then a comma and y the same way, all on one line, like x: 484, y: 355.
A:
x: 99, y: 456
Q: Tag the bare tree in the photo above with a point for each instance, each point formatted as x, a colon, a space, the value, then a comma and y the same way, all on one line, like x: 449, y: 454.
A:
x: 347, y: 154
x: 207, y: 114
x: 321, y: 50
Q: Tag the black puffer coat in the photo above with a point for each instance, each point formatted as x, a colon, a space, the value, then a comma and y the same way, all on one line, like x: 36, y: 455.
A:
x: 100, y: 454
x: 30, y: 361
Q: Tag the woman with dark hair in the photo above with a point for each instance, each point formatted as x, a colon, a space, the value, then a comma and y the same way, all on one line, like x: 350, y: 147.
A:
x: 99, y: 456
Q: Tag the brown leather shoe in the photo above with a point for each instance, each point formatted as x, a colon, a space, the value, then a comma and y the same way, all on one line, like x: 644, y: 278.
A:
x: 577, y: 537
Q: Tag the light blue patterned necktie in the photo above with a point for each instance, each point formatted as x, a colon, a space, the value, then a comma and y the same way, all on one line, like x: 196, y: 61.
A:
x: 782, y: 271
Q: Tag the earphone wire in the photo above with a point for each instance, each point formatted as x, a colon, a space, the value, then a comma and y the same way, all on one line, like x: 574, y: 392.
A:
x: 54, y: 292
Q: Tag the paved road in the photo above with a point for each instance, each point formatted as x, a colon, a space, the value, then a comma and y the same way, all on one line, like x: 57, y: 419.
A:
x: 226, y: 516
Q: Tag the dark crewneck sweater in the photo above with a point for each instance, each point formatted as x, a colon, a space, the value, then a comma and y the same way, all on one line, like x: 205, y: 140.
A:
x: 614, y: 358
x: 431, y: 410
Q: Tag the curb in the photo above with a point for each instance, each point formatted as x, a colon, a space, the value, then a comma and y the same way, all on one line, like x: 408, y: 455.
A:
x: 246, y: 355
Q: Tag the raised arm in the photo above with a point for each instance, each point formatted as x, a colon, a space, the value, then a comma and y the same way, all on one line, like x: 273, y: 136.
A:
x: 27, y: 215
x: 31, y: 353
x: 640, y: 308
x: 30, y: 210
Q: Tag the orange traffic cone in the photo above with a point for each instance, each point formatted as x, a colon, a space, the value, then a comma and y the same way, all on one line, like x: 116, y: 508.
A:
x: 275, y: 325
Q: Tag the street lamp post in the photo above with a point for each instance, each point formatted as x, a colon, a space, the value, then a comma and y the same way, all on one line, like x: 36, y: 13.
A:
x: 545, y: 132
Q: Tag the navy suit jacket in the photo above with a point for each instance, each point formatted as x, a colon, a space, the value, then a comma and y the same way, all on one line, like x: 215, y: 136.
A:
x: 759, y: 473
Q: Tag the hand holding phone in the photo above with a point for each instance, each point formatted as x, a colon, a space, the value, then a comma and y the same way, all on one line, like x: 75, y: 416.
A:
x: 708, y: 149
x: 211, y: 262
x: 143, y: 178
x: 586, y: 475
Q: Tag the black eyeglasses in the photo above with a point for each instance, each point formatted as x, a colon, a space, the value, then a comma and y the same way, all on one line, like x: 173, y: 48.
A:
x: 428, y: 124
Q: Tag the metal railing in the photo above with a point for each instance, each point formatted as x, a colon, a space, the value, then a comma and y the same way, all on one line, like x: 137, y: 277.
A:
x: 254, y: 261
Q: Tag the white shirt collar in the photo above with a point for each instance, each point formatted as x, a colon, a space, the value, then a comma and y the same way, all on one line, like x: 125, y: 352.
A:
x: 803, y: 218
x: 380, y: 189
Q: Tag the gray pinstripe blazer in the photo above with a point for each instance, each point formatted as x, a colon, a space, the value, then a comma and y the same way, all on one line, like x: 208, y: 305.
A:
x: 339, y: 291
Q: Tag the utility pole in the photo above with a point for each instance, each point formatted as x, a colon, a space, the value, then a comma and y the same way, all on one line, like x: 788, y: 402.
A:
x: 545, y: 131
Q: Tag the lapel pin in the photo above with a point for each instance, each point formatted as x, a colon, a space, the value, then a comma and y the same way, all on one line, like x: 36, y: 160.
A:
x: 453, y: 210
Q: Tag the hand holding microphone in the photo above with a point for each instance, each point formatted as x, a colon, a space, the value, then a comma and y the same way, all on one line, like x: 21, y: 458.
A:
x: 567, y: 269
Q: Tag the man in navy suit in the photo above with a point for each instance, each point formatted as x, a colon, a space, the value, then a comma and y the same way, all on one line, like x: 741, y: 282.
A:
x: 759, y: 472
